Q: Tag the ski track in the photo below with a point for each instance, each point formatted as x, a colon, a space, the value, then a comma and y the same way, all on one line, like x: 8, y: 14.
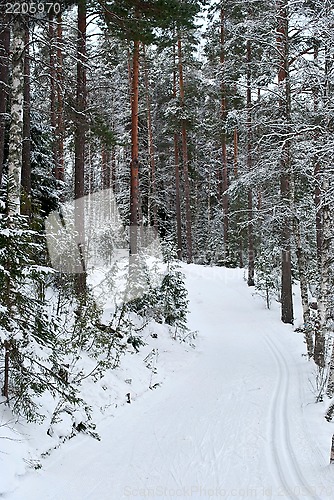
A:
x: 210, y: 426
x: 291, y: 478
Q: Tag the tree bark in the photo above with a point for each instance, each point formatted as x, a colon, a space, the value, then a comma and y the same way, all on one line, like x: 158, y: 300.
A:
x: 317, y: 169
x: 5, y: 388
x: 60, y: 172
x: 134, y: 183
x: 113, y: 172
x: 250, y: 280
x: 235, y: 173
x: 177, y: 198
x: 4, y: 89
x: 303, y: 284
x: 151, y: 148
x: 324, y: 228
x: 235, y: 152
x: 26, y: 162
x: 105, y: 165
x: 80, y: 142
x: 16, y: 126
x: 323, y: 310
x: 52, y: 58
x: 285, y: 160
x: 177, y: 175
x: 225, y: 181
x: 185, y: 159
x: 327, y: 250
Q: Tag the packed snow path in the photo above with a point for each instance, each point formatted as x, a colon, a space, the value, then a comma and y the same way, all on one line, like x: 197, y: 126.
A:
x: 231, y: 423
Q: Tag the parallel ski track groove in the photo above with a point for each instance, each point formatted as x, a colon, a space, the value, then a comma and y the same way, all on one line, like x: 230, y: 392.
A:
x: 280, y: 429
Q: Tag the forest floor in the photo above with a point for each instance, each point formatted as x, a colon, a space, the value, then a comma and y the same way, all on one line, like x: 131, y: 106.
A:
x: 234, y: 418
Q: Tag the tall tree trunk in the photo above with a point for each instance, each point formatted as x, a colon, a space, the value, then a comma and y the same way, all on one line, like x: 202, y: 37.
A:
x: 134, y: 183
x: 4, y: 90
x: 323, y: 310
x: 60, y: 99
x: 113, y: 173
x: 224, y: 150
x: 185, y: 159
x: 250, y: 280
x: 105, y: 164
x: 235, y: 172
x: 16, y: 126
x: 285, y: 161
x: 53, y: 120
x: 303, y: 284
x: 235, y: 152
x: 151, y: 149
x: 177, y: 175
x: 317, y: 167
x: 80, y: 141
x: 177, y: 198
x: 325, y: 249
x: 26, y: 163
x: 17, y: 50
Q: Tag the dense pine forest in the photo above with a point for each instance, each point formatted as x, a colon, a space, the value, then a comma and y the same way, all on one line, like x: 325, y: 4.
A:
x: 208, y: 126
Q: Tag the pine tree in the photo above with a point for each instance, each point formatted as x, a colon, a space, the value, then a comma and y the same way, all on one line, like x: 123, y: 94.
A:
x: 80, y: 142
x: 142, y: 18
x: 185, y: 159
x: 285, y: 161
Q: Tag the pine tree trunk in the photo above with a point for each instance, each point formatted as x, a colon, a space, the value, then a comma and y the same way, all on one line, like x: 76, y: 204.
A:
x: 26, y: 163
x: 5, y: 388
x: 56, y: 93
x: 60, y: 99
x: 105, y: 167
x: 8, y: 342
x: 235, y: 152
x: 235, y: 171
x: 113, y: 173
x: 4, y: 90
x: 80, y: 141
x: 185, y: 159
x: 134, y: 183
x: 16, y: 126
x: 224, y: 150
x: 177, y: 198
x: 52, y: 58
x: 285, y: 161
x: 151, y: 149
x: 286, y: 286
x: 250, y: 280
x: 177, y: 176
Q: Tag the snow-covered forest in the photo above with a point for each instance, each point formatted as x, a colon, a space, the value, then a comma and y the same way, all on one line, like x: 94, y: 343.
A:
x: 166, y: 234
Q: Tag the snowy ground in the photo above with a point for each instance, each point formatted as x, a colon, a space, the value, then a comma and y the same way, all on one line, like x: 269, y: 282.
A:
x: 233, y: 418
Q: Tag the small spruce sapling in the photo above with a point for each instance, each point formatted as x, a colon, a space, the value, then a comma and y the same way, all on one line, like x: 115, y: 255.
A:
x: 30, y: 352
x: 266, y: 278
x: 174, y: 295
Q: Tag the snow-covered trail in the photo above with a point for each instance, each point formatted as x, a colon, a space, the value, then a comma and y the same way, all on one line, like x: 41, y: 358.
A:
x: 229, y: 424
